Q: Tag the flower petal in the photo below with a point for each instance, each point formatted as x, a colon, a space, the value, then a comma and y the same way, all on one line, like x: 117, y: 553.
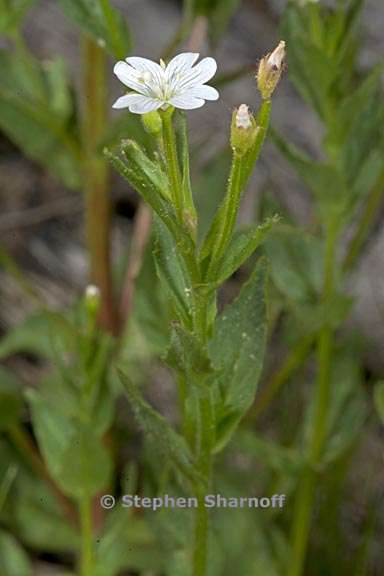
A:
x: 126, y: 100
x: 181, y: 63
x: 130, y: 77
x: 186, y: 102
x: 144, y: 104
x: 144, y: 64
x: 199, y: 74
x: 205, y: 92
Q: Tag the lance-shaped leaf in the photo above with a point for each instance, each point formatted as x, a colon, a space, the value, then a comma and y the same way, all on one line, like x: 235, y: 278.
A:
x: 35, y: 113
x: 296, y: 263
x: 171, y: 271
x: 169, y: 442
x: 237, y: 350
x: 102, y: 22
x: 242, y: 247
x: 74, y: 454
x: 186, y: 355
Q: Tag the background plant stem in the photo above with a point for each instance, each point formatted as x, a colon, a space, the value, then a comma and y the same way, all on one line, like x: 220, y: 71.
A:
x: 307, y: 485
x: 87, y: 560
x: 96, y: 176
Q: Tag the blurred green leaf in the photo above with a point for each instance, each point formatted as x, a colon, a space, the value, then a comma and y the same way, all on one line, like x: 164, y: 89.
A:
x: 13, y: 559
x: 295, y: 263
x: 237, y: 350
x: 127, y: 543
x: 326, y: 181
x: 102, y: 22
x: 35, y: 109
x: 169, y: 442
x: 86, y: 465
x: 379, y: 400
x: 11, y: 400
x: 283, y: 461
x: 74, y: 454
x: 46, y: 334
x: 12, y: 13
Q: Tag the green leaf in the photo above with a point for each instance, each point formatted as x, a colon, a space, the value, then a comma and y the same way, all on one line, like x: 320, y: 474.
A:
x: 37, y: 505
x: 74, y: 454
x: 12, y: 13
x: 311, y: 68
x: 295, y: 263
x: 127, y: 543
x: 35, y: 111
x: 11, y: 400
x: 237, y: 350
x: 187, y: 356
x: 159, y: 431
x: 210, y: 189
x: 243, y: 245
x: 13, y: 558
x: 220, y: 17
x: 379, y: 400
x: 283, y: 461
x: 171, y: 271
x: 102, y: 22
x: 44, y: 333
x: 86, y: 465
x: 326, y: 182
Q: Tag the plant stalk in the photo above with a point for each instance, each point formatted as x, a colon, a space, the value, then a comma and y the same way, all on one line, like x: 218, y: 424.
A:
x: 87, y: 556
x: 172, y: 162
x: 307, y: 485
x: 96, y: 180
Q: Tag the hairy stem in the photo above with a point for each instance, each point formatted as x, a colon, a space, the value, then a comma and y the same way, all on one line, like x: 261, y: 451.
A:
x: 306, y: 490
x: 98, y: 209
x: 172, y: 162
x: 200, y: 554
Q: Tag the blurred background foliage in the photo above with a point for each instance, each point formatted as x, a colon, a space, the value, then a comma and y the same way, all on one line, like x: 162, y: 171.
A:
x: 66, y: 428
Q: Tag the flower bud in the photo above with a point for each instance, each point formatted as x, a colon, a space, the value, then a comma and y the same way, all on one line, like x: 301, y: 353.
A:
x: 243, y: 130
x: 92, y: 299
x: 270, y: 69
x: 152, y: 123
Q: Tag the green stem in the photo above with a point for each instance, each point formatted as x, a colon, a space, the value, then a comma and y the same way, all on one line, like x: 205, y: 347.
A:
x: 263, y: 120
x: 307, y: 485
x: 200, y: 554
x: 172, y: 162
x: 228, y: 214
x: 369, y: 213
x: 87, y: 557
x: 96, y: 176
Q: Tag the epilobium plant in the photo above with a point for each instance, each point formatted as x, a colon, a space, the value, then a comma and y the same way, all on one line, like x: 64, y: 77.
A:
x: 216, y: 357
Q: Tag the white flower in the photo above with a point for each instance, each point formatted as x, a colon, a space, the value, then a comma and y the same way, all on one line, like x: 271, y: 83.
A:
x: 179, y: 84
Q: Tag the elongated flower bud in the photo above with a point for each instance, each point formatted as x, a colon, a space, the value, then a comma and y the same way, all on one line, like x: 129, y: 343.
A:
x: 243, y: 130
x: 92, y: 299
x: 270, y: 69
x: 152, y: 123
